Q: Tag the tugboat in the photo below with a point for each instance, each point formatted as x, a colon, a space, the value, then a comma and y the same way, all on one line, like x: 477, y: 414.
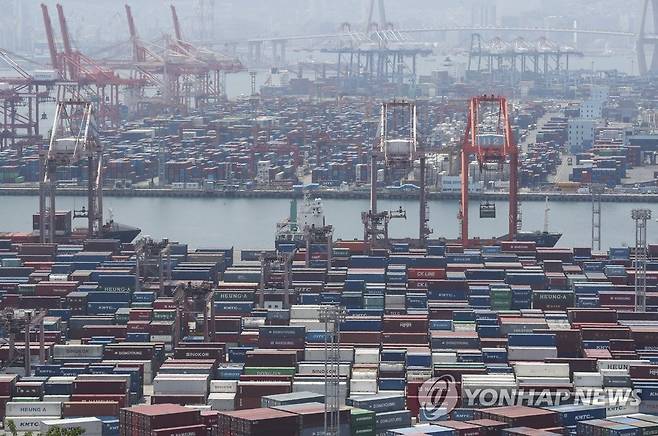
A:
x: 291, y: 230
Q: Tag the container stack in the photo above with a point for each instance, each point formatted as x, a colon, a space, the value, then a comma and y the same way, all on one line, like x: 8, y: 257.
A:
x: 389, y: 410
x: 161, y: 419
x: 507, y: 319
x: 262, y: 421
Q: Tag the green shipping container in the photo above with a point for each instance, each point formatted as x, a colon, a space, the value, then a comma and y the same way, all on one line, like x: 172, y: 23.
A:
x: 361, y: 418
x: 270, y: 371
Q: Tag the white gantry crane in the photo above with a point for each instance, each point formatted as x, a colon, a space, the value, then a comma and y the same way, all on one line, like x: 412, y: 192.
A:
x: 73, y: 140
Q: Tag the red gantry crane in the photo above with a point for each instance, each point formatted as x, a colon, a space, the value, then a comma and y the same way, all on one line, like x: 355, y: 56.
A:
x: 208, y: 72
x: 489, y: 138
x: 97, y: 82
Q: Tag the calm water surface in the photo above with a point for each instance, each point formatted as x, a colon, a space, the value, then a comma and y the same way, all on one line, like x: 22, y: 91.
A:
x: 250, y: 223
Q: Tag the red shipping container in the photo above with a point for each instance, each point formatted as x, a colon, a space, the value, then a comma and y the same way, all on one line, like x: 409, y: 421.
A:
x: 405, y: 324
x: 121, y: 400
x: 118, y: 387
x: 426, y: 273
x: 86, y: 408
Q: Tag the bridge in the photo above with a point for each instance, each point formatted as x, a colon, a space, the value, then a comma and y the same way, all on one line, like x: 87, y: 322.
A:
x: 403, y: 36
x: 394, y: 34
x: 383, y: 32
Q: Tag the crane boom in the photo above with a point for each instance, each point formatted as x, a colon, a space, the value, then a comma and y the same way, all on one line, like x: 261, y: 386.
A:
x: 50, y: 36
x: 174, y: 16
x: 68, y: 49
x: 138, y: 52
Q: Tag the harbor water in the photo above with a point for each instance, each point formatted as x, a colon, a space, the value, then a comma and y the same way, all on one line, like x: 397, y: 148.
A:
x: 250, y: 223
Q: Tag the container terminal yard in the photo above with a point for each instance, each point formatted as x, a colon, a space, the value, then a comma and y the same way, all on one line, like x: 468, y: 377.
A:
x: 105, y: 331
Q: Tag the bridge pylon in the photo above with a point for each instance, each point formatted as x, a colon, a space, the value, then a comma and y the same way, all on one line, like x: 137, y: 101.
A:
x: 646, y: 65
x: 372, y: 23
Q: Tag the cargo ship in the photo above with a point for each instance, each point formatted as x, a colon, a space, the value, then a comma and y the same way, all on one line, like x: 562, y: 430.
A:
x: 123, y: 232
x: 291, y: 230
x: 64, y: 228
x: 542, y: 239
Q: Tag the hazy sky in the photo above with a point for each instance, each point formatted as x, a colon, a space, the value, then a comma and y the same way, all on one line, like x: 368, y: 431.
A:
x: 99, y: 23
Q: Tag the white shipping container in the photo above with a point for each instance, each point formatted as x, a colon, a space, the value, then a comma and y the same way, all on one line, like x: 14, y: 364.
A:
x: 532, y: 369
x: 35, y: 408
x: 364, y: 373
x: 179, y: 384
x: 545, y: 380
x: 363, y: 385
x: 58, y: 278
x: 418, y: 375
x: 318, y: 354
x: 91, y: 426
x: 251, y: 322
x: 222, y: 401
x: 310, y: 324
x: 223, y: 386
x: 304, y: 312
x: 82, y: 351
x: 444, y: 358
x: 62, y: 379
x: 620, y: 410
x: 391, y: 366
x: 619, y: 364
x: 587, y: 380
x: 366, y: 355
x: 27, y: 423
x: 493, y: 379
x: 464, y: 326
x: 614, y: 372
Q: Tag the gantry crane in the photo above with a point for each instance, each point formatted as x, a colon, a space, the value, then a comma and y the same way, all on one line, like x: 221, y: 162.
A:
x: 144, y: 67
x: 153, y: 258
x: 74, y: 139
x: 13, y: 322
x: 23, y: 91
x: 398, y: 146
x: 489, y: 138
x: 210, y: 75
x: 274, y: 266
x: 86, y: 77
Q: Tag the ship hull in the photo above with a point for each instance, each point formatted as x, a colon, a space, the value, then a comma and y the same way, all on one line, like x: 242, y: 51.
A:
x: 122, y: 232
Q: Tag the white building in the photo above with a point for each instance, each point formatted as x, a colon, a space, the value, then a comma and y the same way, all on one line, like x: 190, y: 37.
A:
x: 591, y: 109
x: 580, y: 133
x: 599, y: 93
x: 454, y: 184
